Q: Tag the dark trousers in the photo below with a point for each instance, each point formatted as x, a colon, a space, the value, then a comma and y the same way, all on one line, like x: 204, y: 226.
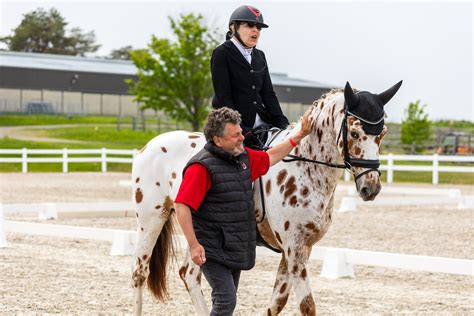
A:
x: 224, y: 283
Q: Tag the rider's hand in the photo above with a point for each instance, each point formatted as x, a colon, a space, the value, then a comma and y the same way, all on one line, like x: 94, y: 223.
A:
x: 198, y: 254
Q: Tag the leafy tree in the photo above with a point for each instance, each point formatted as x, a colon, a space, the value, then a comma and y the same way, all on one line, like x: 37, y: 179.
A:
x: 175, y: 76
x: 44, y: 32
x: 123, y: 53
x: 416, y: 127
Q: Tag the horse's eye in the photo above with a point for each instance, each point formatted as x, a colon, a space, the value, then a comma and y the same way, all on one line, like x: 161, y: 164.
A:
x: 354, y: 135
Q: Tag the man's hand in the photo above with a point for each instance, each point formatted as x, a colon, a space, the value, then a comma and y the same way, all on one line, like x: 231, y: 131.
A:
x: 277, y: 153
x: 306, y: 124
x: 198, y: 254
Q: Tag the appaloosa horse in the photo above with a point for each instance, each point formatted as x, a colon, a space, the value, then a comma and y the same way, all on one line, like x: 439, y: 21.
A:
x: 347, y: 128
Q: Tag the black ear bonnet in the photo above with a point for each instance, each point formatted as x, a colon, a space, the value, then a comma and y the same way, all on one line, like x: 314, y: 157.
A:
x: 368, y: 107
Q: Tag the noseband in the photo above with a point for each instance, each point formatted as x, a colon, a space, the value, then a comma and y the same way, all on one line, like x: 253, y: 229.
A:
x: 349, y: 162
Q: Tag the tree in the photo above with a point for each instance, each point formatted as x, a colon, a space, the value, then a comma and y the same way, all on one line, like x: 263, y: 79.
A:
x: 44, y: 32
x: 123, y: 53
x: 175, y: 76
x: 416, y: 127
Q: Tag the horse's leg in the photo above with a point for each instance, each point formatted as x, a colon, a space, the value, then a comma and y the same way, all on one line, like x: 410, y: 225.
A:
x: 191, y: 274
x: 281, y: 289
x: 154, y: 246
x: 300, y: 279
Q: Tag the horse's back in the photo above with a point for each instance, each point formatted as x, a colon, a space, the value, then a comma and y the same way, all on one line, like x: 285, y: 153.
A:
x: 159, y: 165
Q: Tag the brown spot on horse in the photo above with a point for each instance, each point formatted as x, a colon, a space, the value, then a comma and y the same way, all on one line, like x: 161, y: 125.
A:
x: 157, y: 183
x: 283, y: 288
x: 357, y: 150
x: 268, y: 187
x: 173, y: 175
x: 287, y: 225
x: 307, y: 306
x: 304, y: 191
x: 158, y: 206
x: 193, y: 136
x: 319, y: 132
x: 138, y: 195
x: 167, y: 207
x: 303, y: 274
x: 163, y: 149
x: 182, y: 274
x: 137, y: 180
x: 290, y: 187
x: 293, y: 200
x: 193, y: 145
x: 281, y: 176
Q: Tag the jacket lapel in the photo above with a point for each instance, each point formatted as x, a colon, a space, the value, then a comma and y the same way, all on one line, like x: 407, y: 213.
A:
x: 236, y: 54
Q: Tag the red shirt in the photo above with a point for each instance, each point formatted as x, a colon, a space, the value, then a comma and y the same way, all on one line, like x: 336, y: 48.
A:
x: 196, y: 180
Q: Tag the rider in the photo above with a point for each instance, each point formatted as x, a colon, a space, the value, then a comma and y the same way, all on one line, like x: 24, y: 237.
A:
x: 241, y: 78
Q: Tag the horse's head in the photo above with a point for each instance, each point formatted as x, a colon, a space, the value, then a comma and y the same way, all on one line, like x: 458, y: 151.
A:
x: 361, y: 133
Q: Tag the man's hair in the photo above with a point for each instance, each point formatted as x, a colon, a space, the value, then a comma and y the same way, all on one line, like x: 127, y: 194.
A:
x: 217, y: 119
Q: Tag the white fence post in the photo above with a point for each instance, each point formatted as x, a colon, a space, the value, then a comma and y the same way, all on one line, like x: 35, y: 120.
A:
x: 335, y: 265
x: 390, y: 168
x: 65, y: 165
x: 435, y: 169
x: 3, y: 239
x: 134, y: 154
x: 24, y: 160
x: 104, y: 159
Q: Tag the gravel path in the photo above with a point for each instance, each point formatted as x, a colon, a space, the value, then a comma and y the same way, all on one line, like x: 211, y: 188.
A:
x: 52, y: 275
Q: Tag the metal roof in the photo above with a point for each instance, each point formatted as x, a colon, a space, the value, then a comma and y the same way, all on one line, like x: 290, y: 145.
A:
x: 110, y: 66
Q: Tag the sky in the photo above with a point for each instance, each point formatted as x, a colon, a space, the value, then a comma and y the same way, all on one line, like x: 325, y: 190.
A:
x: 371, y: 44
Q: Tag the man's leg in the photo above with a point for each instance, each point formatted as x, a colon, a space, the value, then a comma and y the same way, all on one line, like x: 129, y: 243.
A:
x: 224, y: 283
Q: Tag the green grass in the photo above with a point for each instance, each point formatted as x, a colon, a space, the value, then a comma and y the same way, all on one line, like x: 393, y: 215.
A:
x: 102, y: 136
x: 18, y: 120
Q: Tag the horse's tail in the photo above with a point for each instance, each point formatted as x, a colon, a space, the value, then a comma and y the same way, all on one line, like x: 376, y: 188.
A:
x: 162, y: 252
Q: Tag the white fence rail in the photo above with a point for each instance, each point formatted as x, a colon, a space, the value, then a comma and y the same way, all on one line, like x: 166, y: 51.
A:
x: 104, y: 156
x: 337, y: 262
x: 66, y: 156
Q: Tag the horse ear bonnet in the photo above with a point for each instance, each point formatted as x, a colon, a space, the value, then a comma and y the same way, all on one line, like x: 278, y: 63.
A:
x: 369, y: 107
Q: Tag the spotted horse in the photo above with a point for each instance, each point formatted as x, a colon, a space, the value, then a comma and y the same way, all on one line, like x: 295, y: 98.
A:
x: 297, y: 195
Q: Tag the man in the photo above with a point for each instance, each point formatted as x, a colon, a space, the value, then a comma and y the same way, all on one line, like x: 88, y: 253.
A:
x: 215, y: 205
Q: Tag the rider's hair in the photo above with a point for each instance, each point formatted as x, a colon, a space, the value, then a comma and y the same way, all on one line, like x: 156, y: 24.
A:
x: 217, y: 119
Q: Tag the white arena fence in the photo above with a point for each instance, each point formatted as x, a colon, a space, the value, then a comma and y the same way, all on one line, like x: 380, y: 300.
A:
x: 337, y: 262
x: 105, y: 156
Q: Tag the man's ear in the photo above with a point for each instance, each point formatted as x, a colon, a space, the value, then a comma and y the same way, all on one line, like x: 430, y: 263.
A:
x: 216, y: 140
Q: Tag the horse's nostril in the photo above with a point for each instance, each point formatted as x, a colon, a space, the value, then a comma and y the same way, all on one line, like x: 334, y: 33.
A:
x: 365, y: 191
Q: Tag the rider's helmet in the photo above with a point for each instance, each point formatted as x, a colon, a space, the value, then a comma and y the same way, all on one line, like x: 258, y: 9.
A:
x: 247, y: 13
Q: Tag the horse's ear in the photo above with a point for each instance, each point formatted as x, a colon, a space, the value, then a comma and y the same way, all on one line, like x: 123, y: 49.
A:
x: 351, y: 98
x: 385, y: 96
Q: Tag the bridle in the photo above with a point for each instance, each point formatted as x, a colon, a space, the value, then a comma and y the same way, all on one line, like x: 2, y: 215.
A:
x: 369, y: 164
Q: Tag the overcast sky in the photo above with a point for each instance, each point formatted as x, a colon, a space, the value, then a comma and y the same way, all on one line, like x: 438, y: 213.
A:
x: 371, y: 44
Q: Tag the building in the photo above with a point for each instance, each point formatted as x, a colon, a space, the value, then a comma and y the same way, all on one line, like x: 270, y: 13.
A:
x: 76, y: 85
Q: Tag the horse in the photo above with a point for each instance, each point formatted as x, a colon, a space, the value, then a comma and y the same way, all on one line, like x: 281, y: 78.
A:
x: 293, y: 206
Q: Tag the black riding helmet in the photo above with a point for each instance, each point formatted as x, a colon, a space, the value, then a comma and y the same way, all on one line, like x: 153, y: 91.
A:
x: 247, y: 13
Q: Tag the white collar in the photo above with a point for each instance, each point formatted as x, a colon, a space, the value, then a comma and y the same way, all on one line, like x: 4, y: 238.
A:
x: 245, y: 51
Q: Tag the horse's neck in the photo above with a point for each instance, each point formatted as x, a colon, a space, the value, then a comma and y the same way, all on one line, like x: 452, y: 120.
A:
x: 321, y: 144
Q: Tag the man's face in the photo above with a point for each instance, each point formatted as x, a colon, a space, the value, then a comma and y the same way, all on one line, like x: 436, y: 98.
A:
x: 232, y: 141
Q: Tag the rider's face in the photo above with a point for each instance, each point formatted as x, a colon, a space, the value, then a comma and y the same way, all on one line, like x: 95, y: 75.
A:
x: 249, y: 35
x: 232, y: 140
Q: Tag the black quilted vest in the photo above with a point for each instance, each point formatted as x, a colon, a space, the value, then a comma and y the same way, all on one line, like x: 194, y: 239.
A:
x: 225, y: 221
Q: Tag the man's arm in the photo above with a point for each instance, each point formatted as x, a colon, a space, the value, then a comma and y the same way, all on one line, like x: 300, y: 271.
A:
x: 183, y: 213
x: 277, y: 153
